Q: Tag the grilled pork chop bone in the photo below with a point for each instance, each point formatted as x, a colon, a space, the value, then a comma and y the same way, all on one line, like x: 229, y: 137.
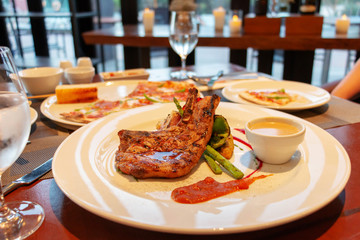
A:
x: 174, y: 149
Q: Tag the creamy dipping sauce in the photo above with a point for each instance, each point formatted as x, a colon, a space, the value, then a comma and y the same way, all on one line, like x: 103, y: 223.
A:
x: 274, y: 128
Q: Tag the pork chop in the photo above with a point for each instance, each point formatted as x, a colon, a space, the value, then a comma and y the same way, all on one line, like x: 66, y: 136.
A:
x: 175, y: 148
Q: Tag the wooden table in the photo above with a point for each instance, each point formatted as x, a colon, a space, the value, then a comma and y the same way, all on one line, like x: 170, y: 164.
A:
x: 134, y: 36
x: 136, y: 46
x: 66, y: 220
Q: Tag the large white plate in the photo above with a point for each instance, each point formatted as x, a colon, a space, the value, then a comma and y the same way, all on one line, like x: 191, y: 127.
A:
x: 83, y: 168
x: 312, y: 96
x: 106, y: 90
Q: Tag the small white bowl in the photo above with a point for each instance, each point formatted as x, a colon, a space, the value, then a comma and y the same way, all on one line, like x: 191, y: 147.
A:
x: 268, y: 144
x: 41, y: 80
x: 78, y: 75
x: 84, y: 62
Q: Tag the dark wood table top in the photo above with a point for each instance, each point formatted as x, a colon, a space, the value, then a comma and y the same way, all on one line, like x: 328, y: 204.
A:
x: 66, y: 220
x: 134, y: 36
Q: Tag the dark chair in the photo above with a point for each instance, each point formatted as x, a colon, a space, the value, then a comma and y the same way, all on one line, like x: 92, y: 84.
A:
x: 262, y: 25
x: 298, y: 65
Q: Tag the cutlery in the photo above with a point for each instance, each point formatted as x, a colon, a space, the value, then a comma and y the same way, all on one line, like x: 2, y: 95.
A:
x: 29, y: 178
x: 40, y: 96
x: 215, y: 78
x: 229, y: 76
x: 206, y: 80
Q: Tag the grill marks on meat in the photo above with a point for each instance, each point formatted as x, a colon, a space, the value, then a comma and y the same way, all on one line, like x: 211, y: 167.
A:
x: 175, y: 148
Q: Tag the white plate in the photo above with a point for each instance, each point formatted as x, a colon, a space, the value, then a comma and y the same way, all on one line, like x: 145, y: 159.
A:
x: 139, y: 73
x: 83, y: 168
x: 106, y: 90
x: 33, y: 115
x: 311, y: 96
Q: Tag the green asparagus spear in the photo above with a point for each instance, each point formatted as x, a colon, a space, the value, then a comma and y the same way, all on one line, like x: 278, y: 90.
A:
x: 178, y: 106
x: 212, y: 164
x: 235, y: 172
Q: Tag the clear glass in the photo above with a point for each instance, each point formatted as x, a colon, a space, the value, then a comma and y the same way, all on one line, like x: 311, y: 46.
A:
x: 183, y: 38
x: 17, y: 219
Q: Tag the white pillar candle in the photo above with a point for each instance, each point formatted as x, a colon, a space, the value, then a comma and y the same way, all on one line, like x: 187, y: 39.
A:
x: 148, y: 19
x: 219, y: 15
x: 342, y: 24
x: 235, y: 24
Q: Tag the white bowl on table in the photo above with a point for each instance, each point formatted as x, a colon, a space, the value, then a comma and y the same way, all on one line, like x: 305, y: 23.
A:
x: 78, y: 75
x: 41, y: 80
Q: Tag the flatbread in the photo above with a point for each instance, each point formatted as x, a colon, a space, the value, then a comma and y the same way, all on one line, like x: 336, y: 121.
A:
x: 145, y: 93
x: 274, y: 98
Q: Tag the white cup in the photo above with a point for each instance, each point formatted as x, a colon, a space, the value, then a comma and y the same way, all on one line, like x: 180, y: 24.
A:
x: 84, y: 62
x: 64, y: 64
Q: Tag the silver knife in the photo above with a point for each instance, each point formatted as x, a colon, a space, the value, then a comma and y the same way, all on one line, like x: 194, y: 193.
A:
x: 29, y: 178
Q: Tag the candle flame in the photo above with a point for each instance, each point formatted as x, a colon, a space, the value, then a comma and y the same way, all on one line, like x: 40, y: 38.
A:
x: 146, y: 9
x: 344, y: 16
x: 235, y: 18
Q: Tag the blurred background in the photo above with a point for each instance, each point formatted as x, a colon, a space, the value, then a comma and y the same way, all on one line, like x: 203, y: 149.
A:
x: 43, y: 32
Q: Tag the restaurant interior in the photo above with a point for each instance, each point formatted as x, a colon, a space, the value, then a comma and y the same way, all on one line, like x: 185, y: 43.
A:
x: 179, y: 119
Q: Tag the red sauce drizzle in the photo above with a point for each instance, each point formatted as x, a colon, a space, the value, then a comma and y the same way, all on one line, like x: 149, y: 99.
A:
x: 240, y: 130
x: 209, y: 188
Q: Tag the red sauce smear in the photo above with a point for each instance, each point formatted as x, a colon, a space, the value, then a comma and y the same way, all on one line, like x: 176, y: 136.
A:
x: 209, y: 188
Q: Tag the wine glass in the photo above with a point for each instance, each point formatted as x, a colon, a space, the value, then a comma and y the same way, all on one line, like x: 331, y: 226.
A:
x: 183, y: 38
x: 17, y: 219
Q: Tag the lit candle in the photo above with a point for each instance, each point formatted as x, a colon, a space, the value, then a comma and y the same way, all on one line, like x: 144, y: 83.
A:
x: 148, y: 19
x: 342, y: 24
x: 235, y: 24
x: 219, y: 15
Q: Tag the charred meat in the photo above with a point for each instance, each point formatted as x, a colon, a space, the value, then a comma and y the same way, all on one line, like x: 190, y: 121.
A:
x: 175, y: 148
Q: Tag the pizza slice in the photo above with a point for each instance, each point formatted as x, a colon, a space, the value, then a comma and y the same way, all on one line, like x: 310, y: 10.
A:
x: 268, y: 98
x: 145, y: 93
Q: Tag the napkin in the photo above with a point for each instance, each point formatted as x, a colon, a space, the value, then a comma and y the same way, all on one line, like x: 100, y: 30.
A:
x: 34, y: 154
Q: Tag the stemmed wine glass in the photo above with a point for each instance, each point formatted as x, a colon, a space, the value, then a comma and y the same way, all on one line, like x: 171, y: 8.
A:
x: 17, y: 219
x: 183, y: 38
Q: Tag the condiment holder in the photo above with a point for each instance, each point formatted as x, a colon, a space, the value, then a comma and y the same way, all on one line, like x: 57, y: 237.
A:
x: 64, y: 64
x: 274, y: 139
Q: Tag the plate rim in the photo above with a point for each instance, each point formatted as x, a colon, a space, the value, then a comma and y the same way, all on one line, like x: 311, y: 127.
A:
x: 206, y: 231
x: 35, y: 115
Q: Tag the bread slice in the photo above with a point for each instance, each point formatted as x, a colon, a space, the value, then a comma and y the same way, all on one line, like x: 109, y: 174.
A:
x: 79, y: 93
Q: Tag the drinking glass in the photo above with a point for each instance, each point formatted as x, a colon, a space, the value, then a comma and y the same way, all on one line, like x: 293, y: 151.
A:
x: 17, y: 219
x: 183, y: 38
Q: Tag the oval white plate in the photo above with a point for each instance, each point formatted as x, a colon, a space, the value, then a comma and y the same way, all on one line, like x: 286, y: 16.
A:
x: 312, y: 96
x: 83, y: 168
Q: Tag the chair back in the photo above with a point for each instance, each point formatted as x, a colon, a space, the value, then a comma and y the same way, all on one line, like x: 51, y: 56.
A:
x: 262, y: 25
x: 298, y: 65
x: 303, y: 25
